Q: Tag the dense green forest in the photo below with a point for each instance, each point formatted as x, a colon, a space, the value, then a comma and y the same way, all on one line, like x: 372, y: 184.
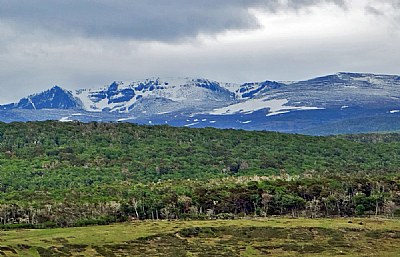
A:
x: 68, y: 174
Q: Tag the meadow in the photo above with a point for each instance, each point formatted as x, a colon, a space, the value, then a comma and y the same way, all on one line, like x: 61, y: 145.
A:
x: 243, y: 237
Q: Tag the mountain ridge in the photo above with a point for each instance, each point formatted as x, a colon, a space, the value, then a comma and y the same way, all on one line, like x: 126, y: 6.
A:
x: 295, y: 107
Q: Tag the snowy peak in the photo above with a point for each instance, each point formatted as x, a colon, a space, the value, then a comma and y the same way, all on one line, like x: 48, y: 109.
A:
x: 197, y: 95
x: 54, y: 98
x: 124, y: 97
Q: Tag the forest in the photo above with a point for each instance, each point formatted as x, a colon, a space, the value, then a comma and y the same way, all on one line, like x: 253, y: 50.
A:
x: 55, y: 174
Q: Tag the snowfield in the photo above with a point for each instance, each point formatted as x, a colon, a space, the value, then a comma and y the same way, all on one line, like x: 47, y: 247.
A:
x: 274, y: 106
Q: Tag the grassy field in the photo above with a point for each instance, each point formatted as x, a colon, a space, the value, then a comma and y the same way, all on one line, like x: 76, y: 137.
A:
x: 258, y: 237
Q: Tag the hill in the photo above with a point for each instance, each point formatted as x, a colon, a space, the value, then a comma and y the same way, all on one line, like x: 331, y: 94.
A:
x: 64, y: 174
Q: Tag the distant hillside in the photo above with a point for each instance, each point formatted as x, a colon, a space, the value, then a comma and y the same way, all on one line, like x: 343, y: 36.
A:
x: 89, y: 173
x: 149, y: 153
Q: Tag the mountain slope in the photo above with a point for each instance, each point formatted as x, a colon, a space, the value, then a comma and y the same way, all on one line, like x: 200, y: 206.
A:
x: 332, y: 104
x: 189, y: 93
x: 54, y: 98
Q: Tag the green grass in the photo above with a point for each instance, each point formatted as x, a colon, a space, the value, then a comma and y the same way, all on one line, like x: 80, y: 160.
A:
x: 256, y: 237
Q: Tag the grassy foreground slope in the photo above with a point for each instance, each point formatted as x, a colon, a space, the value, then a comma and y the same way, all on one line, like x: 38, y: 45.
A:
x: 276, y: 237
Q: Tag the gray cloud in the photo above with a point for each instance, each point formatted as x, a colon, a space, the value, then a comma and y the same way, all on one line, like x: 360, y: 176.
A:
x: 148, y: 20
x: 298, y: 4
x: 88, y: 43
x: 372, y: 10
x: 385, y: 9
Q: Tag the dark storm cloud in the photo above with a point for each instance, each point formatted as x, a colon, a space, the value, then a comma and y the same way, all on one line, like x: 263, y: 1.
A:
x: 158, y: 20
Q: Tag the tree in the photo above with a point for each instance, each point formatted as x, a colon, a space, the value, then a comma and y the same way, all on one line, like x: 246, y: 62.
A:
x: 135, y: 204
x: 266, y: 198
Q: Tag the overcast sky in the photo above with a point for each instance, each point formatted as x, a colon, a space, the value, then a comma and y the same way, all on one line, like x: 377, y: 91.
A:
x: 89, y: 43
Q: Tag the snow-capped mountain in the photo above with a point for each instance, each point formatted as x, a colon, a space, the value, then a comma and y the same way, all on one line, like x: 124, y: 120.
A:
x: 157, y: 95
x: 54, y: 98
x: 338, y: 103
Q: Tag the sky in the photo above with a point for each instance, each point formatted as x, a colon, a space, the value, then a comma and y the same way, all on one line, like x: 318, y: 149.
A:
x: 90, y: 43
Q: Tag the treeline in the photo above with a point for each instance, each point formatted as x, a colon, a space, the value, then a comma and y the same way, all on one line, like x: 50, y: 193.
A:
x: 65, y: 174
x: 229, y: 198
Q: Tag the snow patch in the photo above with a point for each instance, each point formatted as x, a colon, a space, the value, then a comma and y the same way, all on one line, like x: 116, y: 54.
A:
x: 119, y: 95
x: 274, y: 106
x: 276, y: 113
x: 249, y: 112
x: 191, y: 124
x: 125, y: 119
x: 30, y: 101
x: 65, y: 119
x: 160, y: 113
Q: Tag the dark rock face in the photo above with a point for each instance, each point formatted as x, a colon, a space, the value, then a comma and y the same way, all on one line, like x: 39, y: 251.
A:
x: 54, y: 98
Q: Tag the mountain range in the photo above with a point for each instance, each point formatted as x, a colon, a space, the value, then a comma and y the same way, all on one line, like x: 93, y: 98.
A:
x: 334, y: 104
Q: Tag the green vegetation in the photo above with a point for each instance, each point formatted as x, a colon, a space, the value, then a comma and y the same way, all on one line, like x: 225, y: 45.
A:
x: 56, y: 174
x: 256, y: 237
